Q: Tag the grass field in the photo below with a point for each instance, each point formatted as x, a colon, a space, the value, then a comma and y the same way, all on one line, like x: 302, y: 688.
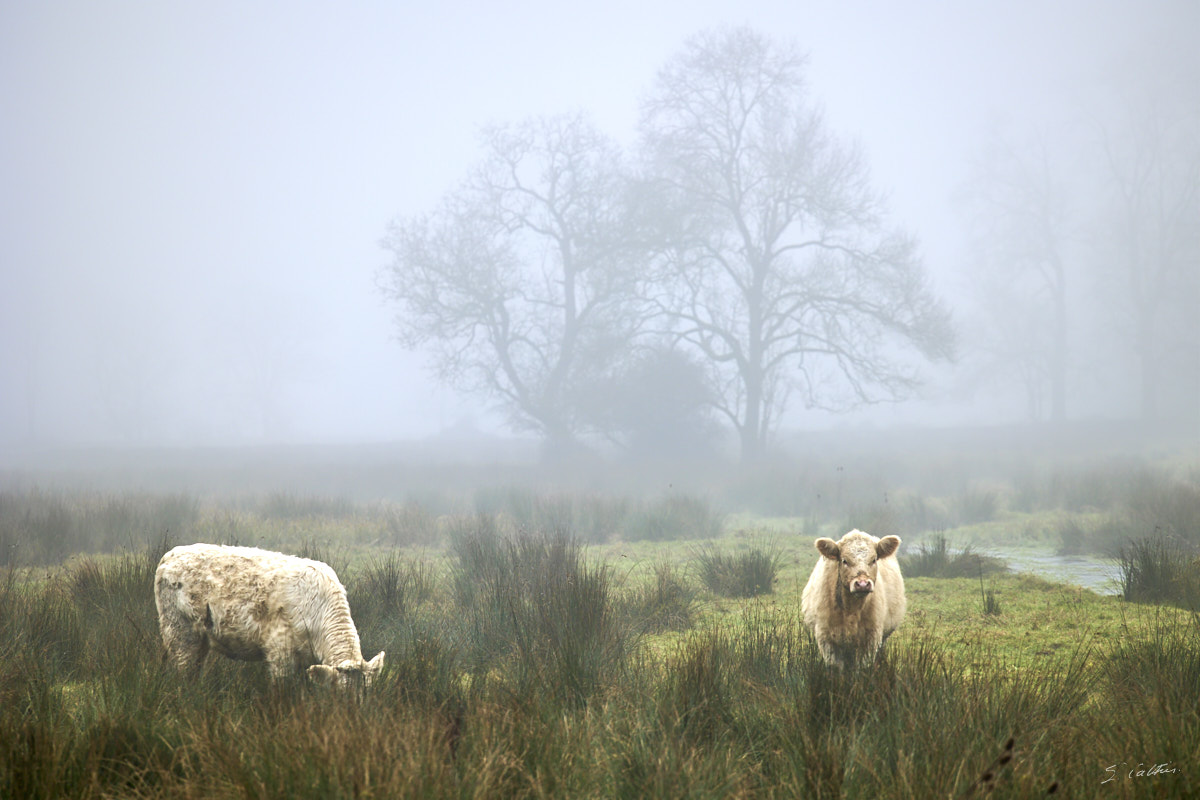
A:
x: 532, y: 655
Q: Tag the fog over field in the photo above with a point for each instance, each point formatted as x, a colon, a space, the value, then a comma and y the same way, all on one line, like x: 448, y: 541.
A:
x: 193, y: 201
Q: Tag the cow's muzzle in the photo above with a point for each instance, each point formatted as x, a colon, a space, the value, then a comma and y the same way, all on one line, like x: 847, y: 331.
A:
x: 862, y: 586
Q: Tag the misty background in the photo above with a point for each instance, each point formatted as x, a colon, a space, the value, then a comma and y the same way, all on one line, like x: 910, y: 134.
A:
x: 192, y: 200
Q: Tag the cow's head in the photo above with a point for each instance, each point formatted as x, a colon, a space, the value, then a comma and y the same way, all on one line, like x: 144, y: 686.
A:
x: 347, y: 674
x: 857, y: 556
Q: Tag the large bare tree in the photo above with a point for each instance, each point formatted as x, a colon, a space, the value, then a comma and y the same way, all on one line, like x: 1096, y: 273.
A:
x: 785, y: 276
x: 520, y: 282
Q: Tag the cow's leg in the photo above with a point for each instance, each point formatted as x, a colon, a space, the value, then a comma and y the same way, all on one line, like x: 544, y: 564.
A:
x: 829, y: 651
x: 187, y: 650
x: 880, y: 641
x: 280, y: 667
x: 281, y: 660
x: 186, y: 645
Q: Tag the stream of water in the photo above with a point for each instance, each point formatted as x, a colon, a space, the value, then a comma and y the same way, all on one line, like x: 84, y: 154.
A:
x: 1099, y: 575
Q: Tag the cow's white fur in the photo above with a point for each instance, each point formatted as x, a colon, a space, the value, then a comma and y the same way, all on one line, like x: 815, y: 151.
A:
x: 854, y: 598
x: 253, y: 605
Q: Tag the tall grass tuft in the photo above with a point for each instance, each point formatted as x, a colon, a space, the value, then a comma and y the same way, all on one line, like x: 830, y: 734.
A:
x: 1160, y: 569
x: 1150, y: 687
x: 1162, y: 668
x: 746, y: 574
x: 424, y: 670
x: 935, y: 559
x: 697, y: 701
x: 666, y: 602
x: 990, y: 600
x: 771, y: 647
x: 384, y: 593
x: 530, y: 606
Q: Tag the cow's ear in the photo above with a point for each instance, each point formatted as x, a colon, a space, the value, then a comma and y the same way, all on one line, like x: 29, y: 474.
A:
x: 320, y: 673
x: 887, y: 546
x: 828, y: 548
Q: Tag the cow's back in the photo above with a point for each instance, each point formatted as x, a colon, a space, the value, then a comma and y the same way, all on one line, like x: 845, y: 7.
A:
x: 202, y: 574
x: 240, y: 596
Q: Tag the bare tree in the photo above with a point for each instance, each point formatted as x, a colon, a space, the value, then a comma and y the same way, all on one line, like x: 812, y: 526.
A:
x: 1021, y: 232
x: 1151, y: 241
x: 784, y: 276
x: 519, y: 281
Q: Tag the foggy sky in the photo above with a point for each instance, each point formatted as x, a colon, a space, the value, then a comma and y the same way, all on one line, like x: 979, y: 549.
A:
x: 191, y: 198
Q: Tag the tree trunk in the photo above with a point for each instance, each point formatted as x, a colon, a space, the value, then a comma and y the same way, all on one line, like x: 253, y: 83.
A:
x: 560, y: 444
x: 752, y: 446
x: 752, y: 430
x: 753, y: 435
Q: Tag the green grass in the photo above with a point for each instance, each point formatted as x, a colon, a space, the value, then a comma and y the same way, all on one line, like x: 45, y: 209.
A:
x: 735, y: 704
x: 666, y: 602
x: 543, y: 644
x: 748, y: 573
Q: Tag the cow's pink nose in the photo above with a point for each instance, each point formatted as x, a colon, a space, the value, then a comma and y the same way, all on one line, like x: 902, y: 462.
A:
x: 861, y: 585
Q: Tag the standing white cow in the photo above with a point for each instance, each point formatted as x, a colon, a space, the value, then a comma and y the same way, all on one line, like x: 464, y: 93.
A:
x: 854, y: 598
x: 254, y: 605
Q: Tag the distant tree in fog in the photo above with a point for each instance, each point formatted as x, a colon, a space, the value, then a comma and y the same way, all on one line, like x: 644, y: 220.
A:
x: 1020, y: 236
x: 1149, y: 240
x: 784, y: 276
x: 521, y: 282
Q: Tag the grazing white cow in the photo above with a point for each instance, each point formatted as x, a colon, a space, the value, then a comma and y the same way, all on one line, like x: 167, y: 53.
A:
x: 854, y: 598
x: 254, y: 605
